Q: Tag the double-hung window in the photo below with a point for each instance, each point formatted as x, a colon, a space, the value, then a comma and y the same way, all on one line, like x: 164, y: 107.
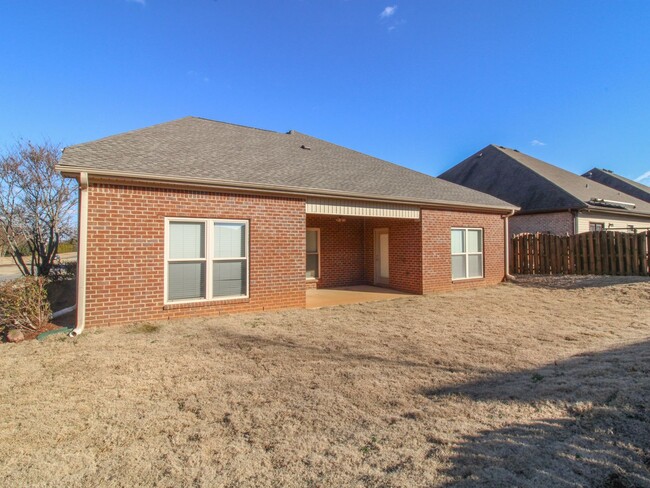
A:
x: 466, y: 253
x: 206, y: 259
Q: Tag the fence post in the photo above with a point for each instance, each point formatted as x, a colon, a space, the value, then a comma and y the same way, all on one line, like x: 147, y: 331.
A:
x: 644, y: 238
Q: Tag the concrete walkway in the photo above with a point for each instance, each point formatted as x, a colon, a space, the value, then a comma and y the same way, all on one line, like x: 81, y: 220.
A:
x: 329, y: 297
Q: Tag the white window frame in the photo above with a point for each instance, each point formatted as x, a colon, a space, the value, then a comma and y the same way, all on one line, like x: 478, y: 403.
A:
x: 317, y: 230
x: 595, y: 224
x: 467, y: 254
x: 208, y: 259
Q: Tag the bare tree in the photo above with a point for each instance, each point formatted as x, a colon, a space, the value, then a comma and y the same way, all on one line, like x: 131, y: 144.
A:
x: 36, y: 206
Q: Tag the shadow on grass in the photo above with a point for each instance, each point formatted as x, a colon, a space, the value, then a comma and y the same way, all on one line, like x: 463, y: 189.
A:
x: 575, y: 282
x: 604, y: 439
x: 333, y: 353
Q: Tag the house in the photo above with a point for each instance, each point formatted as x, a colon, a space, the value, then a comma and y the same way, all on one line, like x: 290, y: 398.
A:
x: 550, y: 198
x: 198, y: 217
x: 620, y: 183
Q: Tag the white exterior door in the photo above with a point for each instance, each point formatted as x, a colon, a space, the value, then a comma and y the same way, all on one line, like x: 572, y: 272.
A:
x: 381, y: 257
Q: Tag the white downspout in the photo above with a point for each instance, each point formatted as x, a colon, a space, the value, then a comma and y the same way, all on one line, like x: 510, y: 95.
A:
x: 506, y: 237
x: 81, y: 255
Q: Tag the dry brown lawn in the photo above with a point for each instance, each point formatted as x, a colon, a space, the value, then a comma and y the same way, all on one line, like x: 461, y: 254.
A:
x: 544, y: 382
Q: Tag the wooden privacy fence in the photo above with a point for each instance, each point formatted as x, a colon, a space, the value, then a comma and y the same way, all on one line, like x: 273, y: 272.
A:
x: 601, y: 252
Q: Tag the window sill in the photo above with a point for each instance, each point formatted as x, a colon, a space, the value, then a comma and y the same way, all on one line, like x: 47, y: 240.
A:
x: 205, y: 303
x: 312, y: 280
x: 462, y: 280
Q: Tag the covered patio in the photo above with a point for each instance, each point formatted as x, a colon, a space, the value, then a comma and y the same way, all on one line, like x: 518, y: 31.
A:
x: 361, y: 251
x: 346, y: 295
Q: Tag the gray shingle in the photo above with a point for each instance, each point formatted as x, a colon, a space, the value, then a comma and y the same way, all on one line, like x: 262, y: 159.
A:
x: 620, y: 183
x: 532, y: 184
x: 204, y: 149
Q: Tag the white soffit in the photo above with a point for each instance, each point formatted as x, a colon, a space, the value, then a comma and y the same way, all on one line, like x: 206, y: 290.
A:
x: 354, y: 208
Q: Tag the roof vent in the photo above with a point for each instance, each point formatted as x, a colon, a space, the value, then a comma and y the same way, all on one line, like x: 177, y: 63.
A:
x: 611, y: 203
x: 305, y: 148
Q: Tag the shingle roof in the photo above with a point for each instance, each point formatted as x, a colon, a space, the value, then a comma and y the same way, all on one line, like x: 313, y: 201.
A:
x: 534, y: 185
x: 618, y: 182
x: 202, y: 149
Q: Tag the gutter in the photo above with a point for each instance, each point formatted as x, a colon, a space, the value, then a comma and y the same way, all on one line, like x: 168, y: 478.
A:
x: 81, y: 256
x: 73, y: 171
x: 627, y: 213
x: 506, y: 236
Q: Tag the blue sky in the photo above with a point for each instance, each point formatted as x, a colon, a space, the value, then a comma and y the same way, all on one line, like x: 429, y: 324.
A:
x: 420, y: 83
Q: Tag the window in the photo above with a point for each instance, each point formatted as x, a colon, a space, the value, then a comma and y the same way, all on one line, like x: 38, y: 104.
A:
x: 206, y: 259
x: 313, y: 253
x: 466, y: 253
x: 596, y: 226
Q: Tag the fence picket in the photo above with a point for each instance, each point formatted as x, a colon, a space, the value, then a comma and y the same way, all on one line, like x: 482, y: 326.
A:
x: 644, y: 244
x: 609, y: 253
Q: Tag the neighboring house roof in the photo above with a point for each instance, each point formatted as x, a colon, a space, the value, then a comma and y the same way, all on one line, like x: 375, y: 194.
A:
x: 618, y: 182
x: 536, y: 186
x: 196, y: 150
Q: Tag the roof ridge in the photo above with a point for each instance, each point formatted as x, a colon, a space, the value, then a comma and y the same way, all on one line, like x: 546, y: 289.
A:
x: 120, y: 134
x: 571, y: 195
x: 625, y: 179
x: 187, y: 117
x: 229, y: 123
x: 595, y: 188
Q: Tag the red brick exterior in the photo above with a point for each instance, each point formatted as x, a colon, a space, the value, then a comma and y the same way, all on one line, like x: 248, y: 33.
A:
x: 126, y: 243
x: 404, y: 253
x: 341, y: 250
x: 419, y: 251
x: 436, y: 245
x: 558, y: 223
x: 125, y: 263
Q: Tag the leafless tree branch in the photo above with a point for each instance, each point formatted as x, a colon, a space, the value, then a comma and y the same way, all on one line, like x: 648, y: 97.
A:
x: 36, y: 206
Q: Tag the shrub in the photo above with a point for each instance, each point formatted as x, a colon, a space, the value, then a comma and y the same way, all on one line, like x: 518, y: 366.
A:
x: 23, y: 304
x: 63, y: 271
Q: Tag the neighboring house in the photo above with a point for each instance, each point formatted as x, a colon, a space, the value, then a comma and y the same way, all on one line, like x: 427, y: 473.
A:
x: 620, y: 183
x: 550, y: 198
x: 197, y: 217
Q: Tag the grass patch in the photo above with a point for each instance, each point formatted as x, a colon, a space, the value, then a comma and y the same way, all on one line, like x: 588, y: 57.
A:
x: 472, y: 388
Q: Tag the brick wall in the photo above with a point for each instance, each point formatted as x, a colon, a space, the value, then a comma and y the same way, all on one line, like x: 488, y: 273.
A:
x: 436, y: 244
x: 404, y: 253
x: 419, y: 252
x: 125, y: 264
x: 559, y: 223
x: 341, y: 250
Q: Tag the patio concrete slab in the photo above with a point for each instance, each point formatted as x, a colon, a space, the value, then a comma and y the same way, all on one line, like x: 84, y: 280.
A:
x: 329, y: 297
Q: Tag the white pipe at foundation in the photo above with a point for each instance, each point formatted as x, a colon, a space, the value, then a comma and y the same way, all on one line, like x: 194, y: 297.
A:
x: 81, y: 257
x: 506, y: 237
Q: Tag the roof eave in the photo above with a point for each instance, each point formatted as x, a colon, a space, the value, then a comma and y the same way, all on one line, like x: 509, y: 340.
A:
x: 70, y: 171
x: 595, y: 208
